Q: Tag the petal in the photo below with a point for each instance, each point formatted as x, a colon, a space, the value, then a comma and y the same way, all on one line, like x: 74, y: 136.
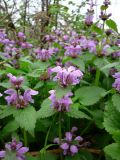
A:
x: 2, y: 154
x: 23, y: 150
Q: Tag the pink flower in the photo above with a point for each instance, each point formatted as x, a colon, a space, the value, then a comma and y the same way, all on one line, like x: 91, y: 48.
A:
x: 67, y: 76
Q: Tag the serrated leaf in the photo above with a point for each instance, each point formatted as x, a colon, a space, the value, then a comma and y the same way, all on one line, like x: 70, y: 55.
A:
x: 113, y: 150
x: 76, y: 113
x: 112, y: 121
x: 89, y: 95
x: 116, y: 101
x: 26, y: 118
x: 45, y: 110
x: 9, y: 110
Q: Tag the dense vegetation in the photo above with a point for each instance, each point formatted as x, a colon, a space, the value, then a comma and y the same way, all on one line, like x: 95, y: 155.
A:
x: 59, y: 83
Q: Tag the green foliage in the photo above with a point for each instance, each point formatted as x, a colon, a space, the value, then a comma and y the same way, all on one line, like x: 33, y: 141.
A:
x: 48, y: 156
x: 111, y: 24
x: 76, y: 113
x: 89, y: 95
x: 116, y: 100
x: 26, y: 118
x: 45, y: 110
x: 111, y: 121
x: 113, y: 150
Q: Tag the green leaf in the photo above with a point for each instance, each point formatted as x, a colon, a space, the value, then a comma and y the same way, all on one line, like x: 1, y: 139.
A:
x: 48, y: 156
x: 26, y: 118
x: 76, y: 113
x: 89, y: 95
x: 112, y: 121
x: 110, y: 65
x: 60, y: 91
x: 28, y: 157
x: 9, y: 110
x: 103, y: 7
x: 113, y: 150
x: 9, y: 128
x: 38, y: 85
x: 116, y: 101
x: 97, y: 29
x: 45, y: 110
x: 40, y: 65
x: 82, y: 155
x: 79, y: 63
x: 25, y: 64
x: 112, y: 24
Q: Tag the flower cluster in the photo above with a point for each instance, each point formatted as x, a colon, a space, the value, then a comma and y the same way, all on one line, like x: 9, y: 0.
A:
x: 73, y: 51
x: 67, y: 76
x: 15, y: 98
x: 116, y: 84
x: 45, y: 54
x: 12, y: 48
x: 62, y: 104
x: 104, y: 16
x: 89, y: 15
x: 71, y: 143
x: 15, y: 147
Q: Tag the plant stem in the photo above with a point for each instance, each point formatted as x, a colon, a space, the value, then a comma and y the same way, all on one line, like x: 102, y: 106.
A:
x: 46, y: 139
x: 25, y: 138
x: 97, y: 77
x: 60, y: 136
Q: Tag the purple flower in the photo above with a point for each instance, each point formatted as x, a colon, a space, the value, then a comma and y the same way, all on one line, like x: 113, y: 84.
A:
x: 104, y: 50
x: 65, y: 38
x: 74, y: 129
x: 116, y: 54
x: 116, y: 84
x: 15, y: 147
x: 64, y: 146
x: 91, y: 45
x: 45, y: 54
x: 66, y: 77
x: 106, y: 2
x: 2, y: 154
x: 73, y: 149
x: 16, y: 82
x: 78, y: 138
x: 0, y: 95
x: 62, y: 104
x: 70, y: 144
x: 73, y: 51
x: 26, y: 45
x: 22, y: 36
x: 89, y: 19
x: 12, y: 98
x: 18, y: 100
x: 68, y: 136
x: 28, y: 95
x: 116, y: 75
